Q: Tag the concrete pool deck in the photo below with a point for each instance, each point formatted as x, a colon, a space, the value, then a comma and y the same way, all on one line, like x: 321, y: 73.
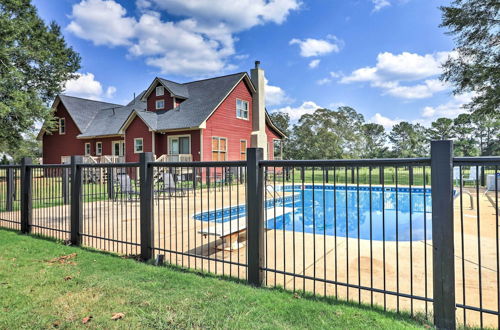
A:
x: 323, y: 257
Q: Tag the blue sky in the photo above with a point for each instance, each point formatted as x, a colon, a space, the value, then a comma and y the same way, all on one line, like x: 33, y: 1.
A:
x: 381, y: 57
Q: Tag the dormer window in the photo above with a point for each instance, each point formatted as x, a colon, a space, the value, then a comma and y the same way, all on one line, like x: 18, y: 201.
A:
x: 241, y: 109
x: 160, y: 104
x: 159, y: 91
x: 62, y: 125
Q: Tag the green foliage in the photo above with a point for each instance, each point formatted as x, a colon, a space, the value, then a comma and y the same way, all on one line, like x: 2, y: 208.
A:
x: 408, y: 140
x: 475, y: 25
x: 375, y: 141
x: 34, y: 64
x: 441, y: 129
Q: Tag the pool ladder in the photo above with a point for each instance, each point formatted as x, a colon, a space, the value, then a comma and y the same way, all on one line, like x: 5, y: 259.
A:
x: 271, y: 191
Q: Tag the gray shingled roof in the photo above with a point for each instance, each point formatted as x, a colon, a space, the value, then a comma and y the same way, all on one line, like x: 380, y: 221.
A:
x: 109, y: 121
x: 177, y: 89
x: 83, y: 111
x: 100, y: 118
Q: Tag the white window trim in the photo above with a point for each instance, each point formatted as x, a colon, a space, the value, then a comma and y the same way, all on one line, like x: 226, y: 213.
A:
x: 97, y: 152
x: 135, y: 146
x: 248, y: 109
x: 160, y: 88
x: 60, y: 132
x: 113, y: 147
x: 227, y: 146
x: 170, y: 137
x: 87, y: 144
x: 156, y: 104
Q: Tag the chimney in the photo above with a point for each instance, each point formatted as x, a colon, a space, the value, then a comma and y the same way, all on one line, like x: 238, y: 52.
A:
x: 259, y: 137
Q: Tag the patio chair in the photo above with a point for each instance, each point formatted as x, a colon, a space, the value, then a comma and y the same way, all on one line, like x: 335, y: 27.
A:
x: 473, y: 177
x: 169, y: 186
x: 126, y: 186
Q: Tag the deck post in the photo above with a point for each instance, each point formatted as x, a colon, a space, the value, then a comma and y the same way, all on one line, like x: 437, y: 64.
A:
x: 442, y: 234
x: 255, y: 216
x: 65, y: 185
x: 9, y: 200
x: 146, y: 206
x: 76, y: 200
x: 111, y: 182
x: 26, y: 190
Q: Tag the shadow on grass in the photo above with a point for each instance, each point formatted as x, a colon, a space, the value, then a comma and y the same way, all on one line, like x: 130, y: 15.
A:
x: 417, y: 318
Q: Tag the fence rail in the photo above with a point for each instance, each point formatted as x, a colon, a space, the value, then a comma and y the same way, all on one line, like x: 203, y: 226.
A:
x: 418, y: 235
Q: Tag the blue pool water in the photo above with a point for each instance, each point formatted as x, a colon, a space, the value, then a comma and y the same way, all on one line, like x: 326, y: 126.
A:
x: 345, y: 212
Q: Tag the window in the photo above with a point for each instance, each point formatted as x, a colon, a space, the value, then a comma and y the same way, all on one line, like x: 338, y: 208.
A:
x: 62, y: 125
x: 243, y: 149
x: 159, y: 91
x: 241, y: 109
x: 160, y: 104
x: 98, y: 148
x: 87, y: 149
x: 219, y: 148
x: 138, y: 145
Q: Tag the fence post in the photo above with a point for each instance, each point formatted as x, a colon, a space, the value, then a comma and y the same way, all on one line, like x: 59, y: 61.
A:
x: 26, y: 202
x: 65, y: 185
x: 76, y: 200
x: 9, y: 201
x: 255, y: 216
x: 442, y: 234
x: 111, y: 183
x: 146, y: 206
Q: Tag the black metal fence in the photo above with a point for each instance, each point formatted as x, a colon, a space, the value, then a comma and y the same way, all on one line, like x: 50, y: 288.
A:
x: 419, y: 235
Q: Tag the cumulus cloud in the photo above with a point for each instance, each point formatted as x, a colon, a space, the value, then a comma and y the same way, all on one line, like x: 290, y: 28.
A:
x: 275, y: 95
x: 323, y: 81
x: 384, y: 121
x: 314, y: 63
x: 295, y: 113
x: 317, y: 47
x: 450, y: 109
x: 199, y: 43
x: 87, y: 87
x: 392, y: 70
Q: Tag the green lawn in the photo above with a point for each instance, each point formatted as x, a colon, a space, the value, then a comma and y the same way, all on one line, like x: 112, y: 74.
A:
x: 36, y: 292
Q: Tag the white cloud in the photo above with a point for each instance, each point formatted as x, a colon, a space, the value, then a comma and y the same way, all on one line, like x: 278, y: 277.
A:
x: 275, y: 95
x: 295, y: 113
x: 317, y: 47
x: 323, y: 81
x: 201, y: 42
x: 102, y: 22
x: 314, y: 63
x: 384, y: 121
x: 87, y: 87
x: 392, y: 70
x: 379, y: 4
x: 450, y: 109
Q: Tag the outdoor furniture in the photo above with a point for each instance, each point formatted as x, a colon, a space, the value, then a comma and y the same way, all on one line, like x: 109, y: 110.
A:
x: 126, y: 186
x: 170, y: 186
x: 472, y: 175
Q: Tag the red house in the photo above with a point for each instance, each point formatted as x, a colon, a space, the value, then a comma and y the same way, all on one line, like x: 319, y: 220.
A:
x: 204, y: 120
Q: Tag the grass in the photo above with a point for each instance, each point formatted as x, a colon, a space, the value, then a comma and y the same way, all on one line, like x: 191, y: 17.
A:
x: 38, y: 293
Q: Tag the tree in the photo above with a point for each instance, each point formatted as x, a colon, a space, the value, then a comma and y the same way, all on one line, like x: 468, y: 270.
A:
x: 34, y: 64
x: 408, y: 140
x: 441, y: 129
x: 29, y: 146
x: 486, y: 130
x: 375, y: 141
x: 282, y: 121
x: 463, y: 128
x: 475, y: 67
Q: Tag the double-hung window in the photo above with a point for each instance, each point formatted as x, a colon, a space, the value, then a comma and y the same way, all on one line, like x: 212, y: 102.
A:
x: 138, y: 145
x: 219, y: 148
x: 241, y: 109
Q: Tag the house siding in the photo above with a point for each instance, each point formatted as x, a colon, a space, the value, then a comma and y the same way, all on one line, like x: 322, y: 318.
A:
x: 152, y: 98
x: 224, y: 123
x: 137, y: 129
x: 271, y: 136
x: 56, y: 145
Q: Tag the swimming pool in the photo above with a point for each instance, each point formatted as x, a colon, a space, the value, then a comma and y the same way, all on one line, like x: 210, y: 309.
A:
x: 344, y: 211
